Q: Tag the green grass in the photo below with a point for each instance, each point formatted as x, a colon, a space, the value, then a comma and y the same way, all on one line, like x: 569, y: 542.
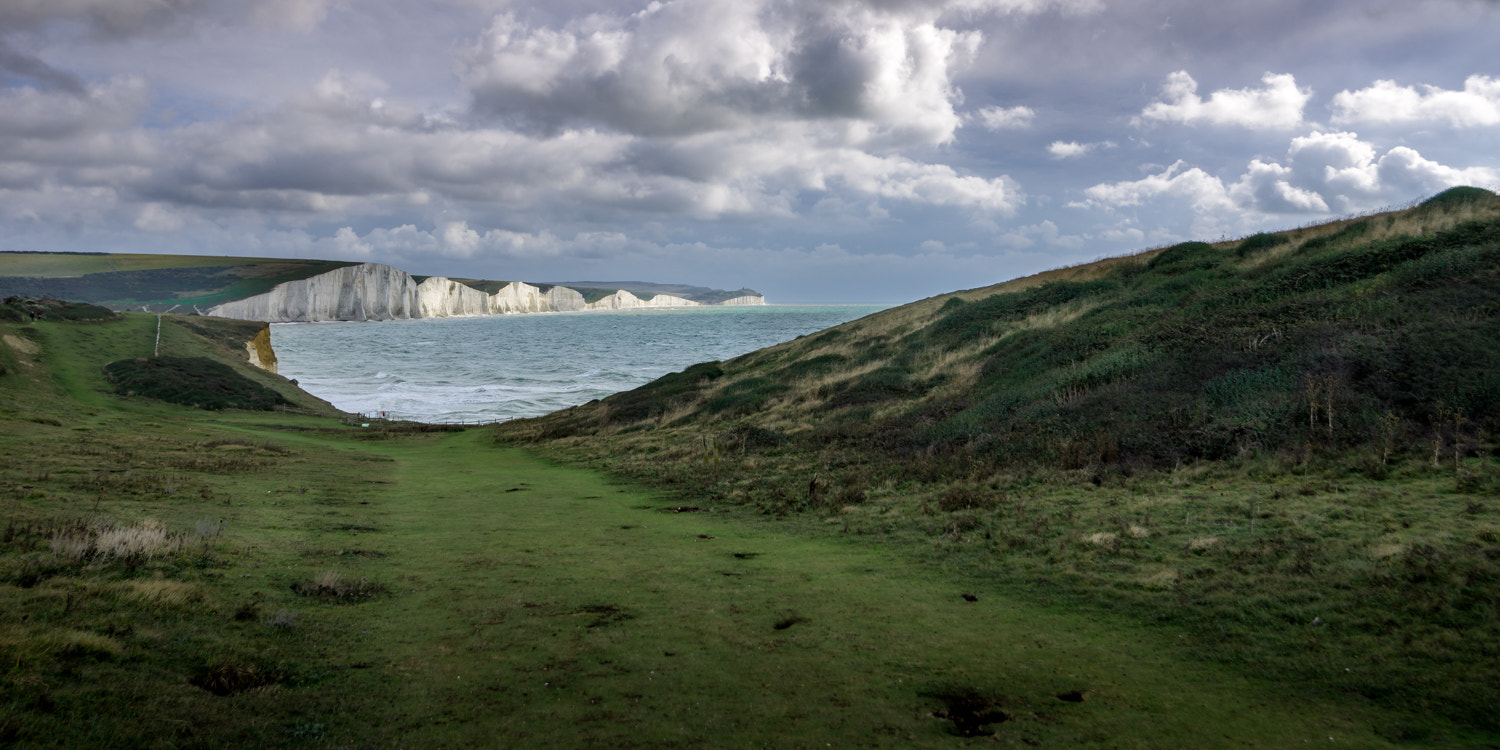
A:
x: 156, y: 282
x: 1229, y: 441
x: 400, y: 586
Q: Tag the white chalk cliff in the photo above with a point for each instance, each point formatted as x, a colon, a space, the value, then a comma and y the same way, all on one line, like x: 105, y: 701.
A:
x: 368, y: 291
x: 746, y: 300
x: 372, y: 291
x: 438, y: 297
x: 623, y: 300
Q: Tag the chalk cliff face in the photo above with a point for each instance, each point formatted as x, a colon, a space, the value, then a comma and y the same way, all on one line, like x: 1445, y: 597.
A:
x: 371, y: 291
x: 623, y: 300
x: 368, y: 291
x: 438, y: 297
x: 519, y: 297
x: 564, y: 299
x: 747, y: 300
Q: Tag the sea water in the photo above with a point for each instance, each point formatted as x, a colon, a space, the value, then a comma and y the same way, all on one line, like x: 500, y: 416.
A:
x: 498, y: 367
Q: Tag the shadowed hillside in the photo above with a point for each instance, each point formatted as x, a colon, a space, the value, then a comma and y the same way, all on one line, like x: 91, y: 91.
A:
x: 1281, y: 444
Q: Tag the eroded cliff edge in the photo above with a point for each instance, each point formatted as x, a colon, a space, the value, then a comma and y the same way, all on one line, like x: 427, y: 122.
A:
x: 374, y: 291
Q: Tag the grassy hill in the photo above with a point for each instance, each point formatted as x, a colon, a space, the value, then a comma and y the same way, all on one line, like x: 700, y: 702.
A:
x: 1281, y: 447
x: 181, y: 573
x: 176, y: 572
x: 149, y: 282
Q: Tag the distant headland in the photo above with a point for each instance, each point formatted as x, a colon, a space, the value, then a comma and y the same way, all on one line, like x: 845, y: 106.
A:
x: 284, y: 291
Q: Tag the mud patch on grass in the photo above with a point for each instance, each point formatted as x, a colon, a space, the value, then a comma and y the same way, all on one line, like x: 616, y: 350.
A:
x: 360, y: 553
x: 973, y: 712
x: 791, y: 618
x: 603, y: 614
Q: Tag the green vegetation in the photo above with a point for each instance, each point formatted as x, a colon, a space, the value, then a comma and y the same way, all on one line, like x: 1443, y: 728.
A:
x: 848, y: 540
x: 1281, y: 448
x: 199, y: 382
x: 172, y: 577
x: 154, y: 282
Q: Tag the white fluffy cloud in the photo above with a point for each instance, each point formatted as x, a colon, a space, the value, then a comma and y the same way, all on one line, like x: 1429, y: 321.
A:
x: 1385, y: 102
x: 1276, y: 106
x: 691, y: 66
x: 1074, y: 149
x: 1005, y: 118
x: 1195, y: 187
x: 1322, y: 173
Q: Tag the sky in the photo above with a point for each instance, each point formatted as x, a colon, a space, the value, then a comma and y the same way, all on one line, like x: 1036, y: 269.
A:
x: 818, y: 151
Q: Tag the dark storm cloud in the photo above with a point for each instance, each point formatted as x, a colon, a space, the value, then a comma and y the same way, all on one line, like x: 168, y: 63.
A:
x: 33, y: 68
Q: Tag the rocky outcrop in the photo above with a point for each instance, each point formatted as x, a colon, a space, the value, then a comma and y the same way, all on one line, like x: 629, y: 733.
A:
x: 372, y: 291
x: 439, y: 297
x: 368, y: 291
x: 258, y: 350
x: 747, y: 300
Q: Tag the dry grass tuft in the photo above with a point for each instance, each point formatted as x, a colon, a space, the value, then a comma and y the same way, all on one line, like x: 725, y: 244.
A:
x: 1163, y: 579
x: 1103, y: 539
x: 1203, y: 544
x: 162, y: 592
x: 143, y: 541
x: 80, y: 644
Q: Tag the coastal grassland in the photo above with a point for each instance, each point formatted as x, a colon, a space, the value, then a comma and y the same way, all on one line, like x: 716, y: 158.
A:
x: 156, y: 282
x: 1279, y: 449
x: 179, y: 577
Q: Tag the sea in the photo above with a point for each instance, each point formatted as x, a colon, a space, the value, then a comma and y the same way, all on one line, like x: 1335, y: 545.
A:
x: 498, y: 367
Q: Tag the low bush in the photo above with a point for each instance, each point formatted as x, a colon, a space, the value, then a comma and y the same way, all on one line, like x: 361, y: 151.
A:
x: 198, y: 382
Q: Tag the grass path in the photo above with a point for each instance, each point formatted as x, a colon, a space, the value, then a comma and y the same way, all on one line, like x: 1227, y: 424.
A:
x: 539, y: 603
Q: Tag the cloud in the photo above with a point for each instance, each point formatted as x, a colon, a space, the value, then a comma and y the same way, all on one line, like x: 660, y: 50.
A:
x: 1046, y: 232
x: 109, y: 18
x: 1197, y: 188
x: 27, y: 66
x: 1276, y: 106
x: 1074, y: 149
x: 1003, y: 118
x: 1321, y: 174
x: 1385, y: 102
x: 1338, y: 172
x: 694, y: 66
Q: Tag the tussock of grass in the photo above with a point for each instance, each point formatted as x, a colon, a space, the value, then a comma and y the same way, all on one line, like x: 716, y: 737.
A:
x: 136, y: 543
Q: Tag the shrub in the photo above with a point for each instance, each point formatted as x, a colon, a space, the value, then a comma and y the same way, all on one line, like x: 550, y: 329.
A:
x: 198, y: 382
x: 1256, y: 243
x: 1188, y: 256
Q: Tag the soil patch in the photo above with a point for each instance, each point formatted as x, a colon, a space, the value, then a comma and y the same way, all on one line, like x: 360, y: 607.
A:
x: 972, y: 712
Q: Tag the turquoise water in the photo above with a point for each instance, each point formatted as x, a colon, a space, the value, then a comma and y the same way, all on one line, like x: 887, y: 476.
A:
x: 492, y: 368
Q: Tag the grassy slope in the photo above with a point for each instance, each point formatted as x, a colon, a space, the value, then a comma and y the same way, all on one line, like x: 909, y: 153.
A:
x: 158, y: 282
x: 512, y: 600
x: 1280, y: 448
